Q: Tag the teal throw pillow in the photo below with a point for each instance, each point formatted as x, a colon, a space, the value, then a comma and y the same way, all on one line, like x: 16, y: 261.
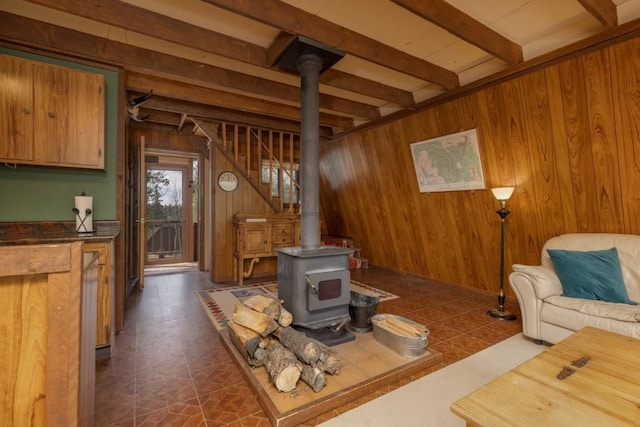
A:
x: 594, y: 275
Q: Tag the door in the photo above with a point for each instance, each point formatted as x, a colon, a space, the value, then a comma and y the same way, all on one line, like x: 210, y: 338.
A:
x: 168, y: 221
x: 146, y: 159
x: 142, y: 203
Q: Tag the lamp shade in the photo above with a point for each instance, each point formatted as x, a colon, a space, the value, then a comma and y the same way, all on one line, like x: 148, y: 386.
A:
x: 502, y: 193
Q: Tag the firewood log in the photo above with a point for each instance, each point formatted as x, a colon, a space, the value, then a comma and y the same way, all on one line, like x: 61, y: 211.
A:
x: 329, y: 360
x: 307, y: 349
x: 285, y: 318
x: 259, y: 356
x: 258, y: 322
x: 264, y: 304
x: 315, y: 377
x: 264, y: 342
x: 283, y: 366
x: 271, y: 307
x: 246, y: 341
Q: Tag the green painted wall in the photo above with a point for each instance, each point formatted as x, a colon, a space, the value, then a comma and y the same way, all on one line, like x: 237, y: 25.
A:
x: 46, y: 194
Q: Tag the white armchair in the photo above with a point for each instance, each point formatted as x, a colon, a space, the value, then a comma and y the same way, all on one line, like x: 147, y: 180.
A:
x: 548, y: 315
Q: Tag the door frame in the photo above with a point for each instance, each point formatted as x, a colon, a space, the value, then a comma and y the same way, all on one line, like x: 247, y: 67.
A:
x: 135, y: 264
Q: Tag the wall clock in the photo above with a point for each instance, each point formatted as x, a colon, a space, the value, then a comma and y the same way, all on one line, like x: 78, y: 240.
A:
x: 228, y: 181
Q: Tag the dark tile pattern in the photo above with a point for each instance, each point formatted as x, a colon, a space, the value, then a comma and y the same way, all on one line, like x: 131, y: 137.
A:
x: 169, y: 367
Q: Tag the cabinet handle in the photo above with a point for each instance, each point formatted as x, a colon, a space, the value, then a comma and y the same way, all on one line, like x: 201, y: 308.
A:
x: 51, y: 115
x: 26, y: 111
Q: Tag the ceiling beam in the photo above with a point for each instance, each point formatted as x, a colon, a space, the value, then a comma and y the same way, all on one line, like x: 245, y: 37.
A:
x: 290, y: 19
x: 342, y: 80
x: 461, y: 25
x: 160, y: 64
x: 339, y: 79
x: 143, y: 21
x: 215, y: 113
x: 603, y: 10
x: 187, y: 92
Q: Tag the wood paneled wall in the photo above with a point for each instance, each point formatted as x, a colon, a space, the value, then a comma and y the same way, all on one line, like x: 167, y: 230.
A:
x: 566, y: 136
x: 225, y: 206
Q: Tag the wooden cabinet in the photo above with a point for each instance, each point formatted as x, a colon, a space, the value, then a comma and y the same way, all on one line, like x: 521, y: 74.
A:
x: 52, y: 115
x: 16, y: 109
x: 47, y: 345
x: 105, y: 303
x: 260, y: 237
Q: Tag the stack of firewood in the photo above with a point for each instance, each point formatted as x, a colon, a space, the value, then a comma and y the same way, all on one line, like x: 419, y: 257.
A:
x: 261, y: 331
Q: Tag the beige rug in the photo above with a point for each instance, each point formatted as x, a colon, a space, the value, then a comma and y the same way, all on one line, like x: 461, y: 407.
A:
x: 219, y: 303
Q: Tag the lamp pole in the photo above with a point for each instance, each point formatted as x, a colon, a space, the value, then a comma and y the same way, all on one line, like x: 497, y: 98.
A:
x: 500, y: 313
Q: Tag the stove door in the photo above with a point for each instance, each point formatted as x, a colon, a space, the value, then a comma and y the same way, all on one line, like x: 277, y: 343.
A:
x: 327, y: 288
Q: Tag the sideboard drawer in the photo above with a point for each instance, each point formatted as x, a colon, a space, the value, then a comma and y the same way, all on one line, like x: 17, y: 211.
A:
x: 283, y: 229
x: 280, y: 240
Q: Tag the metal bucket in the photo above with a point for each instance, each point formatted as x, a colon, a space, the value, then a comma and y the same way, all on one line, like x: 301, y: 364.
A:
x: 361, y: 309
x: 403, y: 345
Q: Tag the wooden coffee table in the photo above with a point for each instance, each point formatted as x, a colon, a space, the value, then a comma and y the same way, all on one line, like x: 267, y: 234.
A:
x: 605, y: 391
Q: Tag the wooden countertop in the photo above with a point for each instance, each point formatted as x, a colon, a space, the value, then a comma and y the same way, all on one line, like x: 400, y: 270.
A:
x: 25, y: 233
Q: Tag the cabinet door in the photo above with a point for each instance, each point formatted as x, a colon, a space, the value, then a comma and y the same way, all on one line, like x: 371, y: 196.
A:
x: 16, y: 109
x: 47, y: 364
x: 254, y: 240
x: 68, y: 117
x: 104, y: 297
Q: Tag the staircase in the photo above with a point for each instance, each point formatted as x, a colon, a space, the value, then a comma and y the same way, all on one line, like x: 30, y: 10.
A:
x: 254, y: 151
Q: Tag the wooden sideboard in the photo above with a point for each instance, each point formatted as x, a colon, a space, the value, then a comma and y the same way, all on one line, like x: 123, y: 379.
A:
x: 47, y: 348
x: 260, y: 237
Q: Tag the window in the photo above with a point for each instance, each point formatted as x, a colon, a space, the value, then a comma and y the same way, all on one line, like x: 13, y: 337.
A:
x: 272, y: 175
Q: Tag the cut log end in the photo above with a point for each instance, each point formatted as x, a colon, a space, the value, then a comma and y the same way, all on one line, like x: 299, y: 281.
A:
x: 314, y: 377
x: 287, y: 379
x: 283, y: 366
x: 285, y: 318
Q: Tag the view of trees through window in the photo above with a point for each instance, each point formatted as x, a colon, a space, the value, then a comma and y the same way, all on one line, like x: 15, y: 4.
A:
x: 164, y: 194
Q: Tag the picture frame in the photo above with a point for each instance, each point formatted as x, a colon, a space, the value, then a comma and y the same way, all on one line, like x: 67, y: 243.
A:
x: 448, y: 163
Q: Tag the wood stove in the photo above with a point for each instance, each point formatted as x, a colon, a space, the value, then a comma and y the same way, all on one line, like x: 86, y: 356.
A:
x: 313, y: 280
x: 315, y: 285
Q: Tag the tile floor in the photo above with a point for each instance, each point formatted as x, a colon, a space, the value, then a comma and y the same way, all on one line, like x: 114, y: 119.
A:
x: 169, y: 367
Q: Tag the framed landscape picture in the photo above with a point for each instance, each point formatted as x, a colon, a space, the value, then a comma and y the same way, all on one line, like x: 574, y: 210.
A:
x: 448, y: 163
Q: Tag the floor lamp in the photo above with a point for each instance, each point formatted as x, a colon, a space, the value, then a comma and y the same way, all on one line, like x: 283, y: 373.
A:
x: 502, y: 194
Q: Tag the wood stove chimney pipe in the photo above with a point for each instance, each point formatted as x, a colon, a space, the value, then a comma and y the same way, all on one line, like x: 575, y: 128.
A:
x: 310, y: 59
x: 309, y: 66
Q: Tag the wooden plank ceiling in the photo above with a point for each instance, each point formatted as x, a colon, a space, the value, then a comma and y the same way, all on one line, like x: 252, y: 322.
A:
x: 214, y: 59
